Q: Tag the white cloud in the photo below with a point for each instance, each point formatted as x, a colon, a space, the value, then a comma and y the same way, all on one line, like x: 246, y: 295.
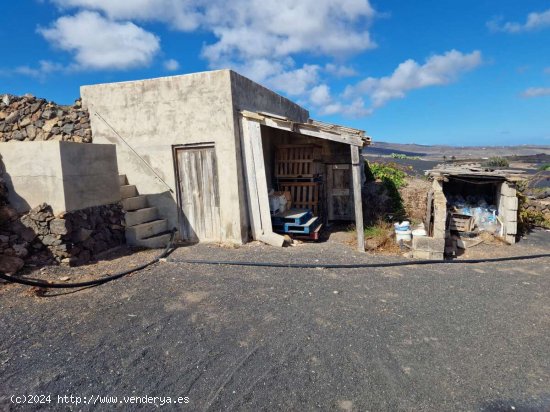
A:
x: 534, y: 21
x: 180, y: 14
x: 536, y: 92
x: 340, y: 70
x: 44, y: 68
x: 437, y: 71
x: 320, y: 95
x: 171, y: 65
x: 100, y: 43
x: 253, y: 29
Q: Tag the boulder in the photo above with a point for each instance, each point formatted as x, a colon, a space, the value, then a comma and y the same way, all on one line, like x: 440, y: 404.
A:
x: 10, y: 264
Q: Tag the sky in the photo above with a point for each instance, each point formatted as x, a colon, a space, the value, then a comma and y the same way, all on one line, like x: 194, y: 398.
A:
x: 458, y: 72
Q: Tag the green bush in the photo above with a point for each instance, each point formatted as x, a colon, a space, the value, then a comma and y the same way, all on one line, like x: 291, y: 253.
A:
x: 403, y: 156
x: 496, y: 162
x: 544, y: 167
x: 386, y: 172
x: 392, y: 179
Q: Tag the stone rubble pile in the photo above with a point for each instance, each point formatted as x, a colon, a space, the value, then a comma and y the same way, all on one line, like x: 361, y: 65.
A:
x: 29, y: 118
x: 39, y: 237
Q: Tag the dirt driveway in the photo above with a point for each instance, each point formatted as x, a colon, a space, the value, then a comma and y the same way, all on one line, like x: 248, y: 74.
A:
x: 417, y: 338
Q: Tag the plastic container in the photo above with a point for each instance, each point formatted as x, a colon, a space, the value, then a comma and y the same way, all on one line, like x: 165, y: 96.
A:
x: 404, y: 235
x: 403, y: 226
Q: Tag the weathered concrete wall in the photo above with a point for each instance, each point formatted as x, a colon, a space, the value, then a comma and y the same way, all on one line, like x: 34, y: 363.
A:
x: 153, y: 116
x: 90, y: 175
x: 68, y: 176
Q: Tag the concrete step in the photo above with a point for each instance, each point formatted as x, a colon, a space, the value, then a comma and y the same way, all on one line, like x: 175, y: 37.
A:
x: 122, y: 180
x: 154, y: 242
x: 127, y: 191
x: 141, y: 216
x: 145, y: 230
x: 134, y: 203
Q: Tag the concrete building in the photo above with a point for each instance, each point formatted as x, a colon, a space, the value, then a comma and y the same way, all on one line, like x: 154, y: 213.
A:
x: 197, y: 152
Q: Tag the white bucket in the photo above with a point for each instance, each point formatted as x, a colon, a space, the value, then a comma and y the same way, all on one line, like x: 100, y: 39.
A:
x: 404, y: 235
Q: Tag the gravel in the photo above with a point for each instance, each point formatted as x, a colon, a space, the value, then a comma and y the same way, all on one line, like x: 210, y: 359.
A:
x: 433, y: 338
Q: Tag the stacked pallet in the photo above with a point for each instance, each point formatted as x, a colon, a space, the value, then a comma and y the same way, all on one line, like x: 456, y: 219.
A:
x: 298, y: 171
x: 297, y: 222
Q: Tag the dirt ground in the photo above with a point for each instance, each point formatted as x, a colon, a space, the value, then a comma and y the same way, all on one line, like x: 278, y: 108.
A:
x: 423, y: 338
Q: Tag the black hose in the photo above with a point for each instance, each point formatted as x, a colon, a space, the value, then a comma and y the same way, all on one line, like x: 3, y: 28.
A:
x: 354, y: 265
x: 94, y: 282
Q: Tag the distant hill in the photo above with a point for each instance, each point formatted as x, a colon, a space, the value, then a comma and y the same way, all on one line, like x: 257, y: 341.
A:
x: 460, y: 152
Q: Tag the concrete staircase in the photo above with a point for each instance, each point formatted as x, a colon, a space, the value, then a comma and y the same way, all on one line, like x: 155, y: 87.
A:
x: 144, y: 227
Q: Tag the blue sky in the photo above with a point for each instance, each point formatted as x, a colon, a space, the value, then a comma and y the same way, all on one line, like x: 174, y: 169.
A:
x: 429, y: 72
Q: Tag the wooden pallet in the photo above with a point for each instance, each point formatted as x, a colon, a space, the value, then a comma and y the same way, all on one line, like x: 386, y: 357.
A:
x: 305, y: 195
x: 315, y: 235
x: 304, y: 229
x: 295, y: 216
x: 297, y: 161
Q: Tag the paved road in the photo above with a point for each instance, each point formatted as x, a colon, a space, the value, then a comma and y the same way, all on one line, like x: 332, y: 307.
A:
x: 418, y: 338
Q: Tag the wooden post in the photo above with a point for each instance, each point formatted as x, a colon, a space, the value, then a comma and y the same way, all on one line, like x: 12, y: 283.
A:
x: 357, y: 198
x: 256, y: 183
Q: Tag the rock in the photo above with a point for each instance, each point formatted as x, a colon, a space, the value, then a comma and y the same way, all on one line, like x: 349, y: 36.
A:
x: 6, y: 99
x: 10, y: 264
x: 31, y: 132
x: 51, y: 240
x: 25, y: 122
x: 4, y: 239
x: 48, y: 114
x: 7, y: 214
x: 68, y: 128
x: 60, y: 226
x: 13, y: 117
x: 20, y: 251
x: 82, y: 234
x: 27, y: 234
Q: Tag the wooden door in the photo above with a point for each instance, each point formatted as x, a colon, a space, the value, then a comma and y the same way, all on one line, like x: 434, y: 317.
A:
x: 198, y: 194
x: 339, y: 193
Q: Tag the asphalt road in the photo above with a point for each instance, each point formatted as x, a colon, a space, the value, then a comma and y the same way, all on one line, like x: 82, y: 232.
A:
x: 419, y: 338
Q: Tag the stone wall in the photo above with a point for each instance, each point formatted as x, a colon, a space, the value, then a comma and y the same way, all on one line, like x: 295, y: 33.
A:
x: 30, y: 118
x: 38, y: 237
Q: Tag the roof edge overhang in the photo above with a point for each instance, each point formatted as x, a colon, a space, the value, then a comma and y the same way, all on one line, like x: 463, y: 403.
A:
x: 314, y: 128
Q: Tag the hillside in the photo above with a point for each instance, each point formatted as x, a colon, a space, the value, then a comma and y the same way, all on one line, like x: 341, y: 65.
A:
x: 460, y: 152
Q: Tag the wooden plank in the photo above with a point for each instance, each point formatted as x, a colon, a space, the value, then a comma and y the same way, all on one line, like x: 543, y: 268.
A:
x: 261, y: 178
x: 357, y: 199
x: 250, y: 179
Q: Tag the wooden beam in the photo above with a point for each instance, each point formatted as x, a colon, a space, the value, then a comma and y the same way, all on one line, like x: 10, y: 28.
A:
x: 357, y: 198
x: 254, y: 129
x: 250, y: 181
x: 335, y: 137
x: 256, y: 184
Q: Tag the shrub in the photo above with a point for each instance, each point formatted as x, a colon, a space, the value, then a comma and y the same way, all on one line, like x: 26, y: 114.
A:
x: 392, y: 179
x: 544, y: 167
x: 496, y: 162
x: 387, y: 173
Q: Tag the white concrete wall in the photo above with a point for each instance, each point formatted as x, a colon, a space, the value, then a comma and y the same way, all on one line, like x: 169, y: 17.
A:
x: 67, y: 176
x: 153, y: 116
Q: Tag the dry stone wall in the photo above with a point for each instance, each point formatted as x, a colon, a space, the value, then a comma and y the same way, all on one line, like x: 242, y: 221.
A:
x: 38, y: 237
x: 28, y: 118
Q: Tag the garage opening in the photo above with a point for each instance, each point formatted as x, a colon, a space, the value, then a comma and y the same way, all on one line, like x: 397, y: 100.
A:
x: 301, y: 177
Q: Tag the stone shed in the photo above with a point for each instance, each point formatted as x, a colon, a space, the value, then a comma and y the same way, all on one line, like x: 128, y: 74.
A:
x: 197, y: 153
x: 464, y: 201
